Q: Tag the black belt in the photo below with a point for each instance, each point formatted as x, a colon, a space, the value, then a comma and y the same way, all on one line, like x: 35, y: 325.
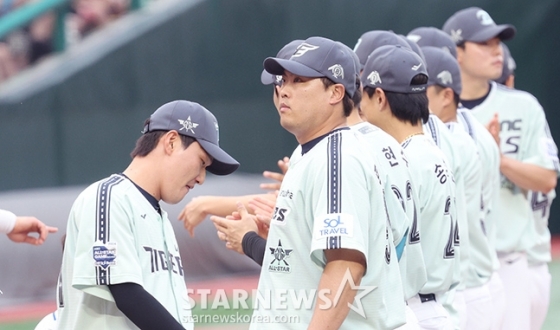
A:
x: 427, y: 297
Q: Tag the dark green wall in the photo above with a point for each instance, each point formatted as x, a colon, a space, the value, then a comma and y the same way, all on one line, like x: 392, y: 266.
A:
x: 84, y: 127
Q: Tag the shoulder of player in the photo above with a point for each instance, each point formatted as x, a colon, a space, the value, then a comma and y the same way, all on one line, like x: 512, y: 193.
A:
x: 516, y: 96
x: 116, y: 187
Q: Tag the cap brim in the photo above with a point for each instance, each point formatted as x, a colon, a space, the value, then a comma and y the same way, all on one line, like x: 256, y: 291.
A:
x: 277, y: 66
x: 267, y: 78
x: 503, y: 32
x: 222, y: 164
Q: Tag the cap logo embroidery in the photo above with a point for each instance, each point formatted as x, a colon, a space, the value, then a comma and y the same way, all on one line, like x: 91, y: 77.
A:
x: 416, y: 67
x: 304, y: 48
x: 457, y: 35
x: 510, y: 64
x: 414, y: 37
x: 445, y: 77
x: 217, y: 131
x: 278, y: 80
x: 374, y: 78
x: 337, y: 71
x: 484, y: 18
x: 188, y: 125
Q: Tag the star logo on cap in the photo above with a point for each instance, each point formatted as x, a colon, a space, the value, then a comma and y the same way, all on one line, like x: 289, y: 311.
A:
x: 337, y: 71
x: 374, y: 78
x: 457, y: 35
x: 416, y: 67
x: 445, y: 77
x: 188, y: 125
x: 414, y: 37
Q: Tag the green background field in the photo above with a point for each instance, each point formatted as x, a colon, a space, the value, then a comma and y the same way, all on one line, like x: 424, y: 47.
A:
x: 552, y: 320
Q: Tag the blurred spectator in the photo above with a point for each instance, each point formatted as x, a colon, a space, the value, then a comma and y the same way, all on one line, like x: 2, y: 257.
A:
x: 26, y: 46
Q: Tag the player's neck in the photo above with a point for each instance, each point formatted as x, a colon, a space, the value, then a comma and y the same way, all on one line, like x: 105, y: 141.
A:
x: 449, y: 114
x: 326, y: 127
x: 401, y: 130
x: 142, y: 173
x: 473, y: 87
x: 354, y: 118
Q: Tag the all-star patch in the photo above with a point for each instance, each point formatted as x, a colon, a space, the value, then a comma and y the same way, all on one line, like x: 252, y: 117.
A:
x: 104, y: 255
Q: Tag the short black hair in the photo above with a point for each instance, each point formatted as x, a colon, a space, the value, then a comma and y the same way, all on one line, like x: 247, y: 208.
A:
x: 408, y: 107
x: 346, y: 101
x: 148, y: 142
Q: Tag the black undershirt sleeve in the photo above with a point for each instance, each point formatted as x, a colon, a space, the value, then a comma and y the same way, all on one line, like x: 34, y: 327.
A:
x: 142, y: 308
x: 254, y: 246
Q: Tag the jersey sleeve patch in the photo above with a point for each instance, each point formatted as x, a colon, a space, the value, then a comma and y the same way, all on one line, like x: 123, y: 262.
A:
x: 333, y: 224
x: 104, y: 255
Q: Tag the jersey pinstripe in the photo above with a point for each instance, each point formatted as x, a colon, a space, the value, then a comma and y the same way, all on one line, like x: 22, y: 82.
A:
x: 480, y: 250
x: 331, y: 198
x: 438, y: 214
x: 489, y: 156
x: 401, y: 198
x: 114, y: 235
x: 522, y: 137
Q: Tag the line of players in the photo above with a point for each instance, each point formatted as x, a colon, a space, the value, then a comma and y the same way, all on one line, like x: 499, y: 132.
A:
x: 467, y: 186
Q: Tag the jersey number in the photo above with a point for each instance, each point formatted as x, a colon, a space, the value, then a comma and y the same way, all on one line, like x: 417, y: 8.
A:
x: 453, y: 240
x: 414, y: 236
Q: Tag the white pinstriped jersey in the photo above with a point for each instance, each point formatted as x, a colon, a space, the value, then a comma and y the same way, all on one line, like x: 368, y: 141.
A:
x: 523, y: 136
x: 447, y: 143
x: 400, y: 196
x: 480, y: 251
x: 330, y: 198
x: 490, y: 158
x: 436, y: 196
x: 114, y: 235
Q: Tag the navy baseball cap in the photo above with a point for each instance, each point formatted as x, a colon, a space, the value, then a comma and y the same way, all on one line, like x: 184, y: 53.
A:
x: 414, y: 47
x: 285, y: 53
x: 443, y: 69
x: 431, y: 36
x: 372, y: 40
x: 192, y: 119
x: 476, y: 25
x: 318, y: 57
x: 392, y: 69
x: 509, y: 65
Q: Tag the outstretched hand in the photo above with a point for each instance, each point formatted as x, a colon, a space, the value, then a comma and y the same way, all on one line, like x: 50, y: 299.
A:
x: 25, y: 226
x: 493, y: 127
x: 231, y: 229
x: 283, y: 164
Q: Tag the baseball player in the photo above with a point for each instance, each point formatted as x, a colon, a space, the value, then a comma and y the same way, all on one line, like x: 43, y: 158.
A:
x: 200, y: 207
x: 330, y: 220
x: 394, y: 99
x: 443, y: 93
x: 18, y: 229
x: 121, y: 267
x: 489, y: 156
x: 525, y: 163
x: 538, y: 255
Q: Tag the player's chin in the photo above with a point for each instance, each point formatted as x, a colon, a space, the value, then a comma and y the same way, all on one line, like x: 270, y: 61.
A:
x: 176, y: 197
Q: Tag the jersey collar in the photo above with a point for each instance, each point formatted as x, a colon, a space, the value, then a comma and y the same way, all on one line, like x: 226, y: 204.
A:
x: 309, y: 145
x: 151, y: 199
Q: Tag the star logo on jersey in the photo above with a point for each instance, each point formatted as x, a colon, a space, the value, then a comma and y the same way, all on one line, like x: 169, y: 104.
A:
x: 374, y: 78
x: 280, y: 254
x: 304, y: 48
x: 445, y: 77
x: 187, y: 124
x: 357, y: 305
x: 484, y: 18
x: 457, y: 35
x: 337, y: 71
